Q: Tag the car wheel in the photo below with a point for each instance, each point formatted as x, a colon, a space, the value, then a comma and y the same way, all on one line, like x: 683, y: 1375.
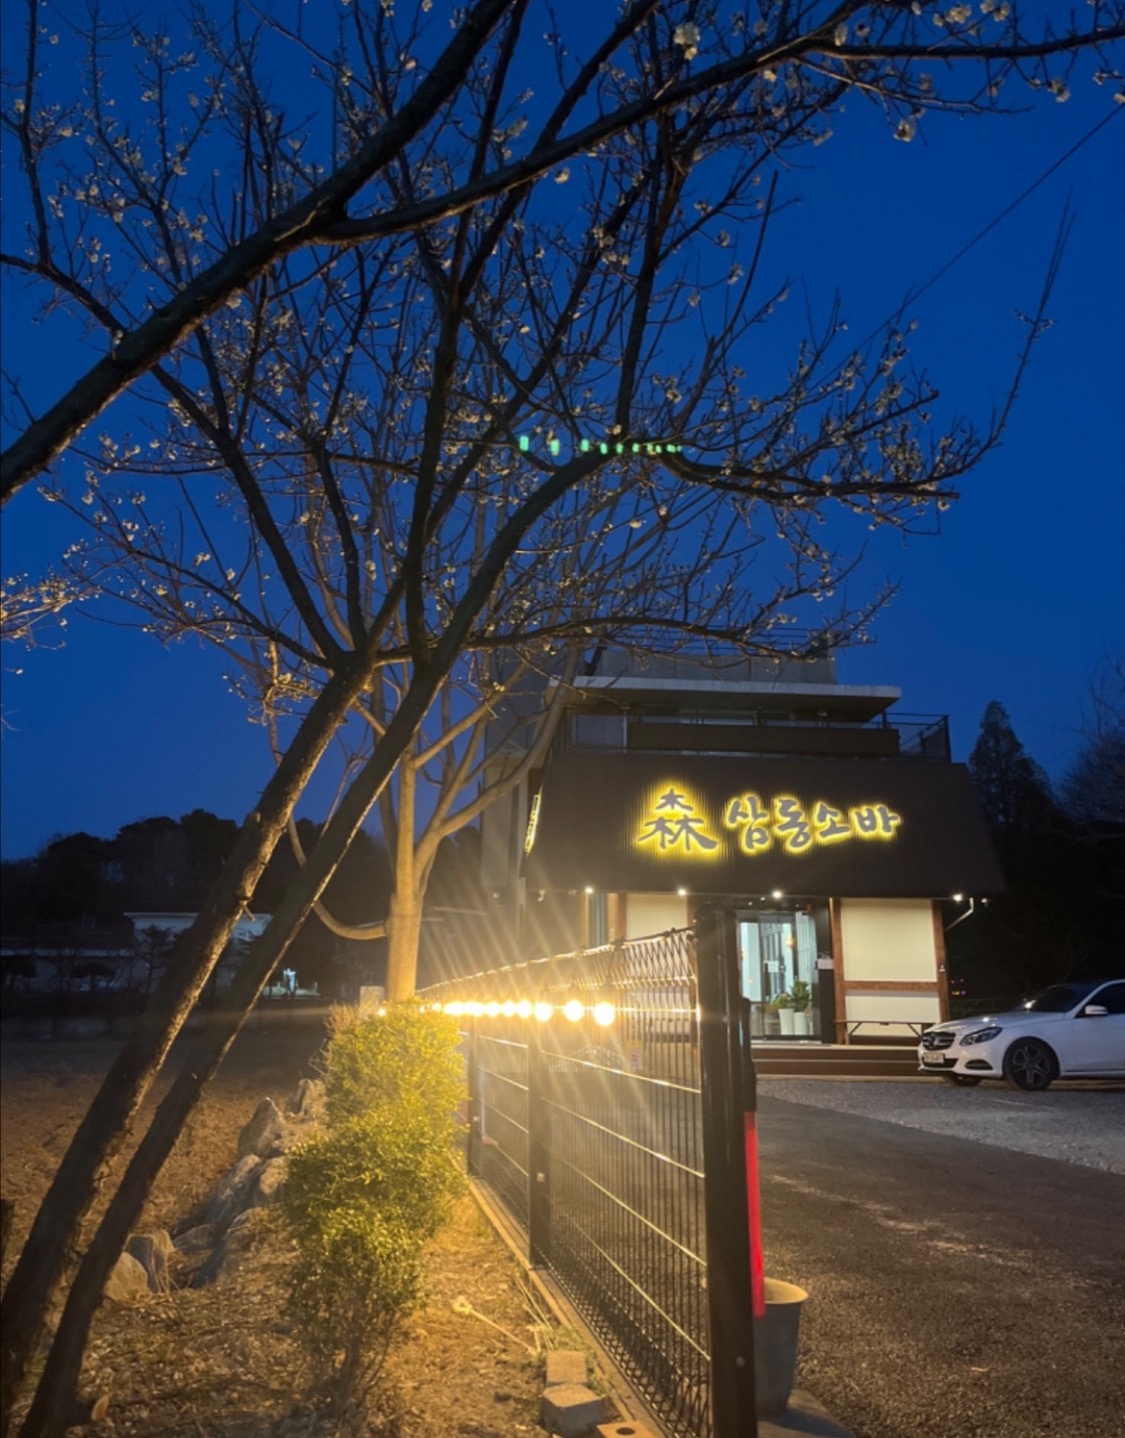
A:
x: 1029, y: 1064
x: 962, y: 1080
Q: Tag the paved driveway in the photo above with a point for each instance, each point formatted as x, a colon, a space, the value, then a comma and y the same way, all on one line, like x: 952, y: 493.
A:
x: 1077, y: 1122
x: 960, y: 1285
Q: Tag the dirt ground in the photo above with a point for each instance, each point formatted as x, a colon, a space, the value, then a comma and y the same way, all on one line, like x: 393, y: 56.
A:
x: 222, y: 1361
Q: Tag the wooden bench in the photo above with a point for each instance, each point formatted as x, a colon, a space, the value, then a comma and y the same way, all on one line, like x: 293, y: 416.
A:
x: 852, y: 1026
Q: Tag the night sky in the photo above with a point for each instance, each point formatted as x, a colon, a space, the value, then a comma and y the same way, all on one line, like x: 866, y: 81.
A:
x: 1017, y: 598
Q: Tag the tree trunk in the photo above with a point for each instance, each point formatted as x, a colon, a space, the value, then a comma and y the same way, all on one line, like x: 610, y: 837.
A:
x: 404, y: 932
x: 39, y: 1275
x: 404, y: 913
x: 59, y: 1381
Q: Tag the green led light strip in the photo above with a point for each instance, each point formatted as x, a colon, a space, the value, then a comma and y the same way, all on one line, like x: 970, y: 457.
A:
x: 594, y: 446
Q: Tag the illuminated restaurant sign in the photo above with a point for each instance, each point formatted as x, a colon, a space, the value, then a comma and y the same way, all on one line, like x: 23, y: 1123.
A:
x: 723, y: 824
x: 675, y: 824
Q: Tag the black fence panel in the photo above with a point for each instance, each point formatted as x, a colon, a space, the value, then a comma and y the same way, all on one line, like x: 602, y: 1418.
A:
x: 585, y: 1090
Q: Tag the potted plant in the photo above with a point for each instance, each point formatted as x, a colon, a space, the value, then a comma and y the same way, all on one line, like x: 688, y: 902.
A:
x: 784, y: 1005
x: 801, y: 995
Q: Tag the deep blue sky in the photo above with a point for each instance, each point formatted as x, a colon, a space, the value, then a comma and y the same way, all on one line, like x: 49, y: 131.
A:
x: 1017, y: 598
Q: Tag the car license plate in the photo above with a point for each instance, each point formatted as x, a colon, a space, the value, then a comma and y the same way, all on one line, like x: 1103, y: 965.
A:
x: 936, y: 1060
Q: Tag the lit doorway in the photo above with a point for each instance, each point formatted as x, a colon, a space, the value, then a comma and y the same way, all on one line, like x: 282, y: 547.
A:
x: 777, y: 958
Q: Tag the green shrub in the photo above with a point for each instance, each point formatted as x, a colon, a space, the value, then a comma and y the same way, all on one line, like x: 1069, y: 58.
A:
x: 407, y: 1058
x: 361, y: 1200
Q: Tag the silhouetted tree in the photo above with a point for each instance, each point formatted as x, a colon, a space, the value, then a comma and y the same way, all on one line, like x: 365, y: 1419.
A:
x: 1048, y: 925
x: 1011, y: 788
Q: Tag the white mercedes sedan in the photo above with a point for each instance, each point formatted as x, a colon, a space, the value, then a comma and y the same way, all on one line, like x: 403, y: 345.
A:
x: 1074, y: 1030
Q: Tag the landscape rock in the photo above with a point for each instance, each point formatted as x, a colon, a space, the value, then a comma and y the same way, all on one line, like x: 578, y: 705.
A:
x: 571, y: 1410
x: 269, y: 1181
x: 265, y: 1135
x: 565, y: 1365
x: 307, y: 1100
x: 230, y: 1193
x: 127, y: 1281
x: 152, y: 1251
x: 200, y: 1239
x: 227, y: 1256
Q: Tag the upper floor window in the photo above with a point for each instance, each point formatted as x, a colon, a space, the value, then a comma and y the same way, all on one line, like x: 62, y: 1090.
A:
x: 599, y: 731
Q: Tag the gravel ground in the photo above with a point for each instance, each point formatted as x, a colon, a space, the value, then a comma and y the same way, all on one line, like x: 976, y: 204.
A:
x: 1078, y: 1123
x: 956, y: 1289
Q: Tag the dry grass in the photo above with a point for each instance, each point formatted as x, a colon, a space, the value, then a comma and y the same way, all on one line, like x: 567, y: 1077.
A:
x: 222, y: 1362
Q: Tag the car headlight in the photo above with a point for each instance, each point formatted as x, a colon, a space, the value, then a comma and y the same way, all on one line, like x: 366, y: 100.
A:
x: 981, y: 1036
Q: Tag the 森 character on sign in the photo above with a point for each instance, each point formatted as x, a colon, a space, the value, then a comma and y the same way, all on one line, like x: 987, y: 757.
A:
x: 676, y: 825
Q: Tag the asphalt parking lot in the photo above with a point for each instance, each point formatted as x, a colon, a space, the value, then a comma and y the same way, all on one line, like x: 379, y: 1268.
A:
x: 1082, y: 1122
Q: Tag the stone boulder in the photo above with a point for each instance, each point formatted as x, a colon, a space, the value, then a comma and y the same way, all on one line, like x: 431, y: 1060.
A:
x: 232, y: 1190
x: 268, y: 1182
x: 200, y: 1239
x: 127, y: 1281
x: 267, y: 1133
x: 227, y: 1257
x: 152, y: 1251
x: 307, y: 1101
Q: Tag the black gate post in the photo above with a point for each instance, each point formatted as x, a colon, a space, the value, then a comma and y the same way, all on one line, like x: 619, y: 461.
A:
x: 728, y: 1103
x: 538, y: 1151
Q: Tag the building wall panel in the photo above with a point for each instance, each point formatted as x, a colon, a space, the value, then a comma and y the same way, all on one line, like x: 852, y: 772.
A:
x: 647, y: 914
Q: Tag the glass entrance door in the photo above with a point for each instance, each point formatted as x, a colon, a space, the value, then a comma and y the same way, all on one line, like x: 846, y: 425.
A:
x: 777, y: 955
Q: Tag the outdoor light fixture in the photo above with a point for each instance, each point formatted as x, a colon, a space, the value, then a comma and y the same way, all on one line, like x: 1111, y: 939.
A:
x: 604, y: 1011
x: 573, y: 1010
x: 454, y: 1009
x: 508, y: 1008
x: 777, y: 893
x: 543, y: 1011
x: 589, y: 889
x: 682, y: 893
x: 959, y: 899
x: 492, y: 1008
x: 523, y: 1009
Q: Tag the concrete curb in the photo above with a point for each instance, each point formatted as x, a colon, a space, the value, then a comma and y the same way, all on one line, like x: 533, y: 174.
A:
x: 803, y: 1415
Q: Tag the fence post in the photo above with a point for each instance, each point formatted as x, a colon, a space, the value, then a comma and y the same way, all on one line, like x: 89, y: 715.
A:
x: 472, y: 1141
x: 538, y: 1152
x: 729, y: 1151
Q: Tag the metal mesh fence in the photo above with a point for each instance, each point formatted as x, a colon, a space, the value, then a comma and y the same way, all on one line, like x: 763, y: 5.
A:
x: 587, y: 1128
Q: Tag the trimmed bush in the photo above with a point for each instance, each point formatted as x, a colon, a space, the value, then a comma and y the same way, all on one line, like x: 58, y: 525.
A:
x: 362, y: 1200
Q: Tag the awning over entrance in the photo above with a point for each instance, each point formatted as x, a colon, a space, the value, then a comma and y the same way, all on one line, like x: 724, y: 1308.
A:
x: 846, y: 828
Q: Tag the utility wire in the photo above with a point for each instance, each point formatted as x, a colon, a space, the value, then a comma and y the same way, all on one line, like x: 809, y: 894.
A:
x: 914, y: 295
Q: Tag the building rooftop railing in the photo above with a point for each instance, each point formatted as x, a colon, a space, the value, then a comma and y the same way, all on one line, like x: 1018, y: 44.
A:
x: 898, y: 736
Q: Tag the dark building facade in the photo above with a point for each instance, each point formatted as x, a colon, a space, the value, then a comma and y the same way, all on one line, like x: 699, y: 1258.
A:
x: 834, y: 827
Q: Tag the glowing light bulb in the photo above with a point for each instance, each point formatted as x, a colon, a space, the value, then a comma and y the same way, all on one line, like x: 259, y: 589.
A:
x: 508, y: 1008
x: 573, y: 1010
x: 543, y: 1011
x: 523, y: 1008
x: 604, y: 1013
x: 492, y: 1008
x: 454, y: 1009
